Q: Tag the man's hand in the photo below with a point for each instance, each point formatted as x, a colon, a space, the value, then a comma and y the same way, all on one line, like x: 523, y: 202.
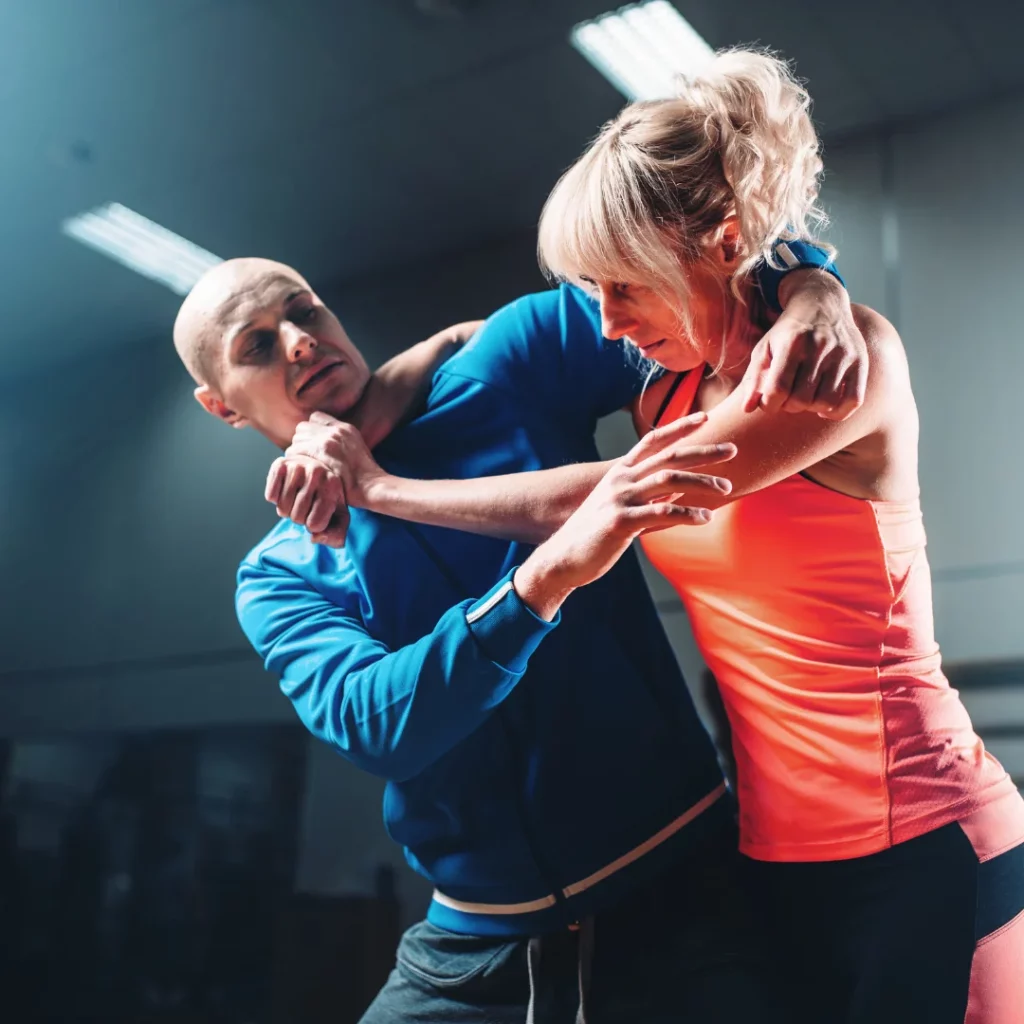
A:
x: 637, y: 495
x: 327, y: 468
x: 306, y: 492
x: 813, y: 359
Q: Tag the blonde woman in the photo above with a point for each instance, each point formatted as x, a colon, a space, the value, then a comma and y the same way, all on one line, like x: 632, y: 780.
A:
x: 885, y: 846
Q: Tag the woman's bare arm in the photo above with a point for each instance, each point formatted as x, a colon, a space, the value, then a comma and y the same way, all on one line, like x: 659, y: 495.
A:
x: 328, y: 457
x: 774, y: 444
x: 530, y: 506
x: 508, y: 506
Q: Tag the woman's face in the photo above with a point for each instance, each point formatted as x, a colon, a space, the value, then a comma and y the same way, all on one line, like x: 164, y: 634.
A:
x: 647, y: 320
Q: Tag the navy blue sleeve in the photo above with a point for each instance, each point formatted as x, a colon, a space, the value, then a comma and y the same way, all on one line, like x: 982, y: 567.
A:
x: 547, y: 349
x: 391, y: 712
x: 789, y: 256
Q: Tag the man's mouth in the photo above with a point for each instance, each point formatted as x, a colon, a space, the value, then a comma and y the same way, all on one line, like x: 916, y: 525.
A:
x: 318, y: 377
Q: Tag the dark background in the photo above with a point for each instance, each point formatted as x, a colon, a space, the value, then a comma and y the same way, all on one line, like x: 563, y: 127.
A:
x: 172, y: 846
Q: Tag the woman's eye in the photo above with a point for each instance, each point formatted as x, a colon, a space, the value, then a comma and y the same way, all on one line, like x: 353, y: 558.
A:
x: 304, y: 315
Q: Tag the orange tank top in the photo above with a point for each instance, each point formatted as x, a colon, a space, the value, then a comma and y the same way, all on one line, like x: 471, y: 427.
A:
x: 814, y: 612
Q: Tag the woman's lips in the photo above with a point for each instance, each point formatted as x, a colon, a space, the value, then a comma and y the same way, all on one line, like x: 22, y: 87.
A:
x: 648, y: 349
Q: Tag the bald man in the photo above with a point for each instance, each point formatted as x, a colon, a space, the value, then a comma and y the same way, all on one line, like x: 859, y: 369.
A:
x: 545, y: 767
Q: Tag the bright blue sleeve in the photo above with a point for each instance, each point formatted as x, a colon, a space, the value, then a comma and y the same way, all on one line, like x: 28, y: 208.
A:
x: 391, y: 712
x: 789, y: 256
x: 547, y: 349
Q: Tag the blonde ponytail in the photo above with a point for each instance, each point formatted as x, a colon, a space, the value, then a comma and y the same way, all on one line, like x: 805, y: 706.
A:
x: 769, y: 149
x: 653, y: 191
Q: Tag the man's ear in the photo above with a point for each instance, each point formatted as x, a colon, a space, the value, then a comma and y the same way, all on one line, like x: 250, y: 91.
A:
x: 213, y: 404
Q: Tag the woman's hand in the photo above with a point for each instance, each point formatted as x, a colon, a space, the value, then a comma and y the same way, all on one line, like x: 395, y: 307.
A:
x: 637, y: 495
x: 814, y: 359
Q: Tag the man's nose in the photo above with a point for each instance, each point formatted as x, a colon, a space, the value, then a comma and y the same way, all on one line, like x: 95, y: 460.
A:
x: 298, y: 345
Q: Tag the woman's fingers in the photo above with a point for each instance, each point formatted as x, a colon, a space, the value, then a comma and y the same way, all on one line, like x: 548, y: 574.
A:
x: 661, y: 437
x: 686, y: 456
x: 661, y: 515
x: 672, y: 483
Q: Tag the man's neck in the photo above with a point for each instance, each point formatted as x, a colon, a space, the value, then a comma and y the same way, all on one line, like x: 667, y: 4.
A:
x: 369, y: 414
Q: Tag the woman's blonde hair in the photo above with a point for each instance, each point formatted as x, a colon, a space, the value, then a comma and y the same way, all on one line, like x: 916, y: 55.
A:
x: 651, y: 193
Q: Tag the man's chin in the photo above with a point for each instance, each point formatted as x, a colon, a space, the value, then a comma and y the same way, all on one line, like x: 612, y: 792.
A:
x: 342, y: 400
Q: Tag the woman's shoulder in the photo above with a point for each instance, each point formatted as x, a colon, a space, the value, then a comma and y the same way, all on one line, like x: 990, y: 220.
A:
x: 888, y: 370
x: 890, y: 445
x: 880, y: 335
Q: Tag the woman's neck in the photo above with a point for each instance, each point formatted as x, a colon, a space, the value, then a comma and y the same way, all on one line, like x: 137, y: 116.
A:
x: 732, y: 340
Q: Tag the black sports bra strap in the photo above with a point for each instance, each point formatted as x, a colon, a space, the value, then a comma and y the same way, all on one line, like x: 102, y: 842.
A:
x: 669, y: 395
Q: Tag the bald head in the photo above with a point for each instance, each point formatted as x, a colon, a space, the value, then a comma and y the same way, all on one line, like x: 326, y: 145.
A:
x: 265, y: 351
x: 219, y: 299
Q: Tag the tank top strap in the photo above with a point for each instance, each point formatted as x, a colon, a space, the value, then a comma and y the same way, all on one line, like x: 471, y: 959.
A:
x: 679, y: 400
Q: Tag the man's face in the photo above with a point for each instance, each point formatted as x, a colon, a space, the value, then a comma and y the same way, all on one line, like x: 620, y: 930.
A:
x: 278, y: 355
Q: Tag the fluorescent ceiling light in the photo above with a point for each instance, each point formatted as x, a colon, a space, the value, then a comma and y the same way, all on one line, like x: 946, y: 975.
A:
x: 142, y: 246
x: 642, y: 48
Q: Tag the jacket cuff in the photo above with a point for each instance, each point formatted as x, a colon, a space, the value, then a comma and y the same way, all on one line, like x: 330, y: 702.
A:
x: 506, y: 629
x: 793, y: 255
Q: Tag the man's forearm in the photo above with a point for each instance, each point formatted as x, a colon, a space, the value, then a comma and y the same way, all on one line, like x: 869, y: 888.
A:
x: 390, y: 711
x: 812, y: 291
x: 525, y: 507
x: 396, y: 387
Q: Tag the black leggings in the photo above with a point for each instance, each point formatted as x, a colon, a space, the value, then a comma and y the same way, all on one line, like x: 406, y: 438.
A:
x: 922, y: 933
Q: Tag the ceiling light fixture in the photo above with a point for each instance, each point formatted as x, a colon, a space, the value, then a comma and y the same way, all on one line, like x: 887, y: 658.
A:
x: 141, y: 245
x: 642, y: 48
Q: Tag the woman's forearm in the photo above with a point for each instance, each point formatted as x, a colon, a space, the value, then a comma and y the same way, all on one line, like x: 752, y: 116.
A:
x: 525, y: 507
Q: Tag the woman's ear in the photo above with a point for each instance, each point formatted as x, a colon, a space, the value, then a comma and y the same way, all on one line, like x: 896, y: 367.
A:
x: 730, y: 243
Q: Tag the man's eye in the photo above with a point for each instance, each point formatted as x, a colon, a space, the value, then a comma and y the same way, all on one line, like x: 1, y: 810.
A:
x: 260, y: 343
x: 303, y: 315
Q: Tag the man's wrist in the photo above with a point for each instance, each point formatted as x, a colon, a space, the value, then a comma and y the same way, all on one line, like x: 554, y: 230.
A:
x: 539, y: 587
x: 810, y: 287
